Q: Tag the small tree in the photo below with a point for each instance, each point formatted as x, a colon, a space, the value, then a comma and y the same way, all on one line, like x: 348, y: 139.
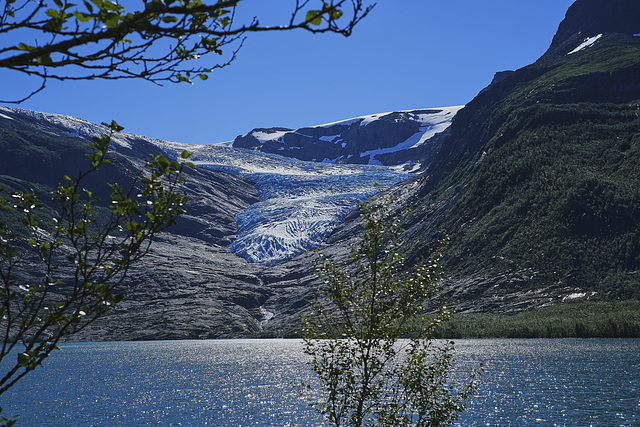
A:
x: 77, y: 258
x: 369, y: 374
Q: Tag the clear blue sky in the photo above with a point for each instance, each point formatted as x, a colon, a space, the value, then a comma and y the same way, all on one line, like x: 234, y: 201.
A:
x: 407, y: 54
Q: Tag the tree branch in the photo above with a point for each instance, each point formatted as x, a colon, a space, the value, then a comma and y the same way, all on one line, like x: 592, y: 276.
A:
x: 158, y: 43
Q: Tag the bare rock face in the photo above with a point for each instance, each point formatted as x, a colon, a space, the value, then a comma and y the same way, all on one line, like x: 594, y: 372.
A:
x: 186, y: 289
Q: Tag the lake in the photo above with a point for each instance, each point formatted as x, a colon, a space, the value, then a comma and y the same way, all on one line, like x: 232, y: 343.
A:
x: 248, y: 383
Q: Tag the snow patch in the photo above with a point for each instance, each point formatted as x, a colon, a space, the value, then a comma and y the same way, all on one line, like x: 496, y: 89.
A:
x: 227, y: 144
x: 366, y: 120
x: 73, y: 126
x: 574, y: 296
x: 268, y: 136
x: 431, y: 124
x: 408, y: 167
x: 587, y: 42
x: 330, y: 138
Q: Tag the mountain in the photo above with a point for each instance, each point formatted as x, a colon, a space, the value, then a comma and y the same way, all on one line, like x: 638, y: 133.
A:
x: 536, y: 181
x: 586, y: 19
x: 378, y: 139
x: 249, y: 211
x: 537, y: 172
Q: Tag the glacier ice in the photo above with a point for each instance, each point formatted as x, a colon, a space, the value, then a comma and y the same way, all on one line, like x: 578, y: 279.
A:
x: 300, y: 202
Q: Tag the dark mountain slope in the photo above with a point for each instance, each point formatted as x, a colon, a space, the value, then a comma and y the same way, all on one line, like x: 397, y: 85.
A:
x: 537, y: 183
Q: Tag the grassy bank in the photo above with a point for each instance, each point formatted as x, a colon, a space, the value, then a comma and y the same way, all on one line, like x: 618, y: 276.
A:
x: 567, y: 320
x: 610, y: 319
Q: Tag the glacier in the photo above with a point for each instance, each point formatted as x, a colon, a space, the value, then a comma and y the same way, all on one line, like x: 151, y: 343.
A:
x: 300, y: 202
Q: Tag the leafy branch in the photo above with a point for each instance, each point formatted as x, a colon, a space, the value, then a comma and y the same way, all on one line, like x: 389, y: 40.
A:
x: 159, y: 41
x: 78, y: 258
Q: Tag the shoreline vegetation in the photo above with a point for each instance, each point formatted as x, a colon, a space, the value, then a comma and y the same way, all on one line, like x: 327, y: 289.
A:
x: 601, y: 319
x: 588, y: 319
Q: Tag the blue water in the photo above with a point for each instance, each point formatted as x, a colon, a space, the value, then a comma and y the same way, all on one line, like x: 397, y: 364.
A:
x: 248, y: 382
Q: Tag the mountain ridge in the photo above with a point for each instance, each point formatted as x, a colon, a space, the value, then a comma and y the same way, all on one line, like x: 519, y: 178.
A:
x: 588, y: 18
x: 388, y: 139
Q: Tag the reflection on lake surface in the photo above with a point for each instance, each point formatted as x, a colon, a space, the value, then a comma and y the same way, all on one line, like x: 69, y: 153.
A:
x: 249, y: 382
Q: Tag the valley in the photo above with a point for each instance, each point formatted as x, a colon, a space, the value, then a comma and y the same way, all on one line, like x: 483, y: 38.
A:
x: 534, y: 181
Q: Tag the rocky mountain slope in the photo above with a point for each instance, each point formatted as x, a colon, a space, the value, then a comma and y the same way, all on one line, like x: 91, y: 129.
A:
x: 536, y: 180
x: 537, y: 171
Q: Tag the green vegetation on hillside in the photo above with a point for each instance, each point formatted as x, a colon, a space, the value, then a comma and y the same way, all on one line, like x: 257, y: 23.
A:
x: 586, y: 319
x: 568, y: 320
x: 578, y: 77
x: 558, y: 193
x: 538, y: 180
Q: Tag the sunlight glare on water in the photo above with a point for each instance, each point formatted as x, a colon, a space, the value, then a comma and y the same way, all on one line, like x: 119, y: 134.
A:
x: 555, y: 382
x: 250, y: 382
x: 226, y: 383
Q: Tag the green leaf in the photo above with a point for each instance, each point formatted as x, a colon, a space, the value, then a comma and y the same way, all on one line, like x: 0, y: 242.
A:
x: 169, y: 19
x: 23, y: 359
x: 115, y: 126
x: 112, y: 20
x: 82, y: 17
x: 185, y: 154
x: 44, y: 60
x: 26, y: 47
x: 335, y: 14
x: 314, y: 17
x: 182, y: 78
